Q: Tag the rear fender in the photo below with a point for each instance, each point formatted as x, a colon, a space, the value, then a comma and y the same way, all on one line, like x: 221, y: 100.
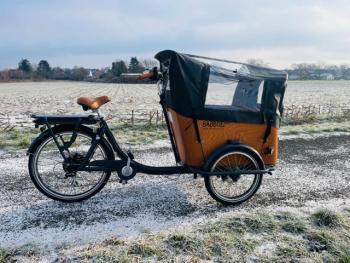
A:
x: 45, y: 134
x: 36, y: 141
x: 233, y: 146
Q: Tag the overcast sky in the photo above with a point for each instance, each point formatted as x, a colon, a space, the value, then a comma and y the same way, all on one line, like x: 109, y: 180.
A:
x: 94, y: 33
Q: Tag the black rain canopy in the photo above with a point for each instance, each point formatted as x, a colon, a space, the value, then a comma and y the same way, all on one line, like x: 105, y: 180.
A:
x: 220, y: 90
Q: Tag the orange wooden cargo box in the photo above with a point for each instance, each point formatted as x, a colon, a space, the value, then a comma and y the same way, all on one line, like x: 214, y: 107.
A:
x: 210, y: 103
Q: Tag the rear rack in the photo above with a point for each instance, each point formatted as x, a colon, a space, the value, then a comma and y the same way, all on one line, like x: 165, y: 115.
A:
x: 64, y: 119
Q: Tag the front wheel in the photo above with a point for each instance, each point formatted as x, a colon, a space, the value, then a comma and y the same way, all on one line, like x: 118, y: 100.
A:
x: 52, y: 175
x: 234, y: 189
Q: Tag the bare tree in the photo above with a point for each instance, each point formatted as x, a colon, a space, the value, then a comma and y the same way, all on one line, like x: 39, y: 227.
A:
x: 4, y: 75
x: 149, y: 63
x: 302, y: 70
x: 257, y: 62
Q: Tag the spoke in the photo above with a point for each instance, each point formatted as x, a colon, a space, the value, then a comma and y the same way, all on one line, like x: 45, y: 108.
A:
x: 232, y: 188
x: 50, y: 170
x: 52, y: 158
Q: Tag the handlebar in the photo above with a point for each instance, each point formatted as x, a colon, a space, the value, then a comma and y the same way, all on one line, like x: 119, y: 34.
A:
x: 150, y: 74
x: 146, y: 75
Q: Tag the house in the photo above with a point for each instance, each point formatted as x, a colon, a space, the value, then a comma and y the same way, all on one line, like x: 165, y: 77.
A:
x: 327, y: 76
x: 293, y: 76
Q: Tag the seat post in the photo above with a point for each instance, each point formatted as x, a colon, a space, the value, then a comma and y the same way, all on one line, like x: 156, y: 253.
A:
x: 98, y: 113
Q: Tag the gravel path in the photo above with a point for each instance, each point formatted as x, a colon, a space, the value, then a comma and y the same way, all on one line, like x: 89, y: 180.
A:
x: 310, y: 171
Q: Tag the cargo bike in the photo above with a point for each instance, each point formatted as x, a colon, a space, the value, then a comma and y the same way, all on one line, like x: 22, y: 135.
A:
x: 222, y: 117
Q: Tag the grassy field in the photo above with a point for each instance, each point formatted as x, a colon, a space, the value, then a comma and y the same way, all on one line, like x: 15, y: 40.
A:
x: 144, y: 134
x: 138, y: 134
x: 303, y: 100
x: 321, y: 236
x: 135, y: 115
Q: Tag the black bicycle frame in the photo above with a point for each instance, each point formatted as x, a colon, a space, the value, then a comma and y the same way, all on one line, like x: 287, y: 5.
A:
x: 125, y: 158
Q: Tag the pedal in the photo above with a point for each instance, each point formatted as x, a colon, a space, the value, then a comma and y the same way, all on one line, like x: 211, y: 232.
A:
x: 131, y: 156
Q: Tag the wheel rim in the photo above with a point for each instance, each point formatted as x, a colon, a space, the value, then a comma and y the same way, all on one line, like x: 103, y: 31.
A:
x: 234, y: 188
x: 51, y: 175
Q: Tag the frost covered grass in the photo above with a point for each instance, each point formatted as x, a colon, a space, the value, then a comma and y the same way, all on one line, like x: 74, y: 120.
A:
x: 5, y: 255
x: 322, y: 236
x: 27, y: 253
x: 326, y: 218
x: 304, y: 99
x: 20, y: 138
x: 144, y: 134
x: 317, y: 126
x: 16, y: 138
x: 139, y: 133
x: 278, y: 237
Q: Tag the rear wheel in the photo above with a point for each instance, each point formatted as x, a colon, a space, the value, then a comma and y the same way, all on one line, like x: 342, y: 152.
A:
x: 234, y: 189
x: 56, y: 177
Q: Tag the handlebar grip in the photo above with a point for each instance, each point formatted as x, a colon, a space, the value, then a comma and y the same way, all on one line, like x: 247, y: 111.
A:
x: 146, y: 75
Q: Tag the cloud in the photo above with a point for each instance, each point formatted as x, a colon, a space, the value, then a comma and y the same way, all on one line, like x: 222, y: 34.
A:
x: 93, y: 33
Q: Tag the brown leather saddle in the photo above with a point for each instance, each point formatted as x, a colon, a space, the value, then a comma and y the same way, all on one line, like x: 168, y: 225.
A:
x: 93, y: 103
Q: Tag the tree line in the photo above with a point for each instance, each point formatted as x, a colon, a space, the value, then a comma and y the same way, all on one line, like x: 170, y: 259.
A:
x: 119, y: 69
x: 43, y: 71
x: 311, y: 71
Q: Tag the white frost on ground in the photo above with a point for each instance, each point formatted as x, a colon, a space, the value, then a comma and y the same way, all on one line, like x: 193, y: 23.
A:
x: 312, y: 176
x: 49, y: 238
x: 311, y: 136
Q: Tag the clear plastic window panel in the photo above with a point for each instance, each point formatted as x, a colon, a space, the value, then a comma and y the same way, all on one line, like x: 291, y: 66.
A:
x: 227, y: 90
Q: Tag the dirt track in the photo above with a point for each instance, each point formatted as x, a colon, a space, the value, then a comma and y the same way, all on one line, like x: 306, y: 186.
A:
x: 309, y: 172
